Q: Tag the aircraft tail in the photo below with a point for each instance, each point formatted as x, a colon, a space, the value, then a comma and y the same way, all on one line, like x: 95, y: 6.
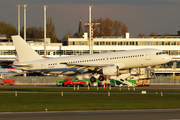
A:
x: 24, y: 51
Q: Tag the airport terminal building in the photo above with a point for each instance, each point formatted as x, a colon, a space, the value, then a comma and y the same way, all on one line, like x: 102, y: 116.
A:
x: 80, y: 46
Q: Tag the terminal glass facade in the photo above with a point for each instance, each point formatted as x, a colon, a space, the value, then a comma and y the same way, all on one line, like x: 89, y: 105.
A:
x: 79, y: 52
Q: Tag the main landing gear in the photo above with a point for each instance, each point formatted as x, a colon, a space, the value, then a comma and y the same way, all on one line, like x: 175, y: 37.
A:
x: 101, y: 78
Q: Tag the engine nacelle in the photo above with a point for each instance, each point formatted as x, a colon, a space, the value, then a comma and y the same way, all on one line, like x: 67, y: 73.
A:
x: 110, y: 70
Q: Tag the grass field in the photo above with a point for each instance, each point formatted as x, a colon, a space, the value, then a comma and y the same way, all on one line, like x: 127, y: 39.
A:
x: 71, y: 101
x: 91, y: 89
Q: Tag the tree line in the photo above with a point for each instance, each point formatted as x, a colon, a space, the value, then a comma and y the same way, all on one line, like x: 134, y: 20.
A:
x: 107, y: 27
x: 152, y: 34
x: 7, y: 29
x: 31, y: 32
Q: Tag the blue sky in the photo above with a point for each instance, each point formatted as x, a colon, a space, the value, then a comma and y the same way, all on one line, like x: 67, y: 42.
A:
x: 140, y: 16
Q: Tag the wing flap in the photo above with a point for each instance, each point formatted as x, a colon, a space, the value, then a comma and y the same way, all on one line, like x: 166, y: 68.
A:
x: 86, y: 65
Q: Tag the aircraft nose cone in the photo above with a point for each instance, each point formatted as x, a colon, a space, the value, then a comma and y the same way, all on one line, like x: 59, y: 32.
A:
x: 167, y: 58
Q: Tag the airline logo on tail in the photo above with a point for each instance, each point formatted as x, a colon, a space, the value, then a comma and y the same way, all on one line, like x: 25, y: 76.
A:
x: 17, y: 59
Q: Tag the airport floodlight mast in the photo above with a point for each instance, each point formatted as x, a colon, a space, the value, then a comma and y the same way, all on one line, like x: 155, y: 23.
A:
x: 45, y: 6
x: 91, y: 31
x: 25, y: 22
x: 18, y: 19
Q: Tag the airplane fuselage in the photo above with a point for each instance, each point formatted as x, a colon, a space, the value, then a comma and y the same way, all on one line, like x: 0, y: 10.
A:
x: 122, y: 59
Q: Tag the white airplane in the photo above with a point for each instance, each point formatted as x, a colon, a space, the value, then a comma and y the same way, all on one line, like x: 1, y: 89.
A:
x: 105, y: 63
x: 10, y: 71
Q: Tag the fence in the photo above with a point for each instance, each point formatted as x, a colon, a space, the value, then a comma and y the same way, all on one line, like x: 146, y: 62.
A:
x: 166, y: 80
x: 37, y: 80
x: 51, y: 80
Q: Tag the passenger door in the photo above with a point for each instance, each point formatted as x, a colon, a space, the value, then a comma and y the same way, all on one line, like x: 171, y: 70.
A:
x: 43, y: 65
x: 147, y: 55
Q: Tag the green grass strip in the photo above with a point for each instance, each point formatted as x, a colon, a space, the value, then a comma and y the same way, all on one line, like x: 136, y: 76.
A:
x: 26, y: 102
x: 84, y: 89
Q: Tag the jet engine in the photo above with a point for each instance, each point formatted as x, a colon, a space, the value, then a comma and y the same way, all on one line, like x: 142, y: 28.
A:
x: 110, y: 70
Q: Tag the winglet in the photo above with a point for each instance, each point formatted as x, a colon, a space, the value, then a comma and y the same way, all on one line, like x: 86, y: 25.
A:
x: 24, y: 51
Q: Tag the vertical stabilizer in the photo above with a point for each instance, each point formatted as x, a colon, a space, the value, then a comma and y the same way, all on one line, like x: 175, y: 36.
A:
x: 24, y: 51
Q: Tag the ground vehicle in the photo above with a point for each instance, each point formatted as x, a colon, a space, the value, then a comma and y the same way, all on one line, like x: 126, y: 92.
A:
x: 2, y: 82
x: 69, y: 82
x: 59, y: 82
x: 105, y: 82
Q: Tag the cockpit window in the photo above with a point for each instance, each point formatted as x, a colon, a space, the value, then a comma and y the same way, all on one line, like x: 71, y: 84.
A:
x: 159, y: 53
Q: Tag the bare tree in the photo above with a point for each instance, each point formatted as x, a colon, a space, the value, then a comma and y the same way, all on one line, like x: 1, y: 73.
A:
x: 51, y: 32
x: 108, y: 28
x: 152, y: 34
x: 141, y: 35
x: 68, y: 35
x: 33, y: 32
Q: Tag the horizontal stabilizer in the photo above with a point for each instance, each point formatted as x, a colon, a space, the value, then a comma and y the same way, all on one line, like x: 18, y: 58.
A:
x: 22, y: 65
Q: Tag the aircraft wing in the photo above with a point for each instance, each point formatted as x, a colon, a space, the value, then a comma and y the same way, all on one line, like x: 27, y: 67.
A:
x: 6, y: 73
x: 86, y: 67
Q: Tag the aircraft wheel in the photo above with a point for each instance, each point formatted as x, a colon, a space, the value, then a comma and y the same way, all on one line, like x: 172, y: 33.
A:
x: 151, y: 73
x: 101, y: 78
x: 93, y: 79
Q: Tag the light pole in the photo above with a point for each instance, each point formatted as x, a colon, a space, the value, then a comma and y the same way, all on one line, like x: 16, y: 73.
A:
x: 91, y: 31
x: 18, y: 19
x: 45, y: 6
x: 25, y: 22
